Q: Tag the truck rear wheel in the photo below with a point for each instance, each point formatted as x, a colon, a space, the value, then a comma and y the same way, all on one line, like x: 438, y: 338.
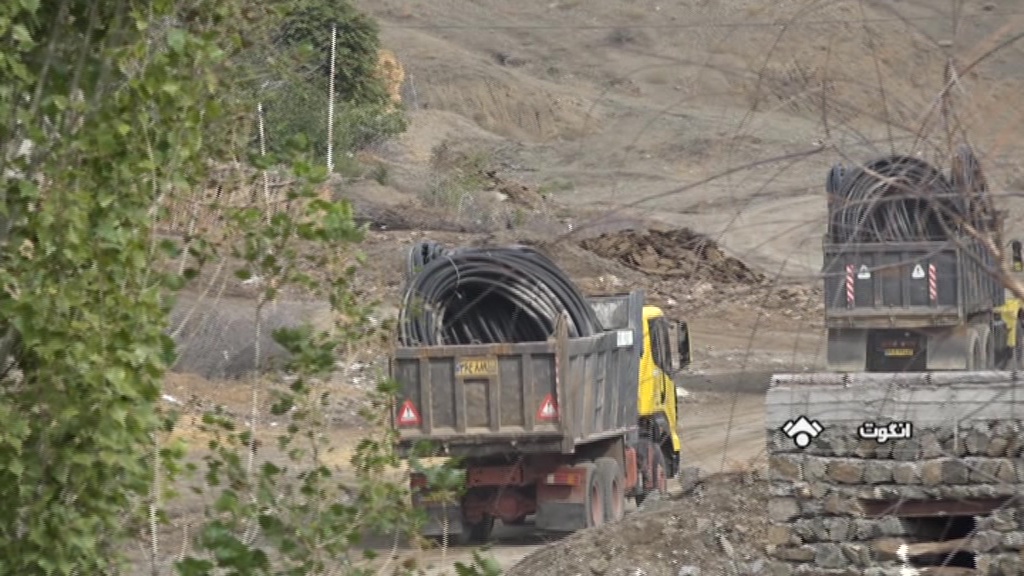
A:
x: 479, y: 532
x: 987, y: 359
x: 611, y: 478
x: 1018, y: 346
x: 655, y: 473
x: 594, y: 502
x: 973, y: 351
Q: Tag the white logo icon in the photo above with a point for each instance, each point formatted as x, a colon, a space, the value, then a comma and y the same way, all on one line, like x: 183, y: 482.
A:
x: 802, y: 431
x: 918, y: 272
x: 864, y: 273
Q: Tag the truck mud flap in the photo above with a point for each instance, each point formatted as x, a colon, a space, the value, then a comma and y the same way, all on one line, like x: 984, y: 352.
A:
x: 562, y: 498
x: 847, y: 350
x: 435, y: 526
x: 561, y: 516
x: 950, y: 351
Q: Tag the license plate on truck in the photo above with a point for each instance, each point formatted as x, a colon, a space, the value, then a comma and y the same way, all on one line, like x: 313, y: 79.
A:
x: 899, y: 348
x: 476, y: 367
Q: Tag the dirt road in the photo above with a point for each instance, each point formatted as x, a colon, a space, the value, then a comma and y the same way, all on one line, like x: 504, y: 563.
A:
x: 723, y: 432
x: 718, y: 431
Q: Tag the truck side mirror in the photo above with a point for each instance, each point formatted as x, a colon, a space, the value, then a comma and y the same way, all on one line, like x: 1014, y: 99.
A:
x: 683, y: 342
x: 1018, y: 260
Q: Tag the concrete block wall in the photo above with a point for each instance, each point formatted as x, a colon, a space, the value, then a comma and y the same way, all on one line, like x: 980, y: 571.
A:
x: 842, y: 504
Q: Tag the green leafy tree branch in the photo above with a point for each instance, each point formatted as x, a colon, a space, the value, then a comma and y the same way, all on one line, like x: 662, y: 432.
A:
x: 107, y: 109
x: 102, y: 112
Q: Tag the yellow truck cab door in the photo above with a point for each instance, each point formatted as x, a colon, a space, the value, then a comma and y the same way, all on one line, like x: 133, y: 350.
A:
x: 657, y: 400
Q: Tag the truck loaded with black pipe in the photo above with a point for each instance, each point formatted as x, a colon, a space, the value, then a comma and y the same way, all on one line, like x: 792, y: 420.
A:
x: 910, y: 284
x: 552, y: 405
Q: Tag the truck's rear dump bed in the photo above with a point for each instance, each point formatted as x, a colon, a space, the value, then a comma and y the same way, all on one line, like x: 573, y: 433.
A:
x: 934, y: 282
x: 523, y: 397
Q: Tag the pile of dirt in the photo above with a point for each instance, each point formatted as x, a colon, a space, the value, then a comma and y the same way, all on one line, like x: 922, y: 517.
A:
x: 513, y: 191
x: 672, y: 253
x: 719, y: 528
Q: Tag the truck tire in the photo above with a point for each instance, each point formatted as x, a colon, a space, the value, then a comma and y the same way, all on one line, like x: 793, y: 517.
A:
x: 610, y: 476
x: 973, y: 350
x: 985, y: 343
x: 657, y: 481
x: 478, y: 532
x: 1018, y: 346
x: 989, y: 348
x: 593, y: 503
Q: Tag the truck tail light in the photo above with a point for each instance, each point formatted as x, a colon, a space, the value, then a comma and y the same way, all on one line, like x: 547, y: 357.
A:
x: 565, y: 478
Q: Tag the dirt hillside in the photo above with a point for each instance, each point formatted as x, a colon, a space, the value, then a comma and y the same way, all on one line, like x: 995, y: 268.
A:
x: 639, y: 100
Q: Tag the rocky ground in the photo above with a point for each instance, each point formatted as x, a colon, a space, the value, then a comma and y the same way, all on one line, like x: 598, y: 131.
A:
x: 717, y: 528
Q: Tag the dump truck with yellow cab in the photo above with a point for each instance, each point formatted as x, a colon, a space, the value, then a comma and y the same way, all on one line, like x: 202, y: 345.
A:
x: 551, y: 404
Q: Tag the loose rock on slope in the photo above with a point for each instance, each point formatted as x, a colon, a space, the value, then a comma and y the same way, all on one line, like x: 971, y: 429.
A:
x: 720, y: 528
x: 679, y: 252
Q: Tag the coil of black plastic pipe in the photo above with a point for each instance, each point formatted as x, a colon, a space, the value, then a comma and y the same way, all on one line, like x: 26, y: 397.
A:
x: 895, y: 199
x: 488, y: 296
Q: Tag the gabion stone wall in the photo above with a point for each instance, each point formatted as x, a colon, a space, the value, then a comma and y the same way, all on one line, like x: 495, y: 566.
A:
x: 844, y: 501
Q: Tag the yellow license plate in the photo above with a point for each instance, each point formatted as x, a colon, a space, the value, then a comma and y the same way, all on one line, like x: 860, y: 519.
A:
x: 477, y: 367
x: 902, y: 352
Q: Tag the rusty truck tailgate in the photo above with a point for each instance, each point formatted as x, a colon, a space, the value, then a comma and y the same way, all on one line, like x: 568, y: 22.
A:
x: 528, y: 397
x: 476, y: 390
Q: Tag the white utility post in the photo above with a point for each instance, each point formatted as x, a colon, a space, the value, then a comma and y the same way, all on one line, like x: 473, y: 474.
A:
x: 330, y: 103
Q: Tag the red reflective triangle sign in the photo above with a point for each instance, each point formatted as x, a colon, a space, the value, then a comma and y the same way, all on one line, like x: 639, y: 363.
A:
x: 548, y: 409
x: 408, y: 415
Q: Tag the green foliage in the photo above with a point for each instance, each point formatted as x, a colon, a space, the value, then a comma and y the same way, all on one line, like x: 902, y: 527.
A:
x: 300, y: 107
x: 306, y: 34
x: 109, y: 105
x: 458, y: 177
x: 381, y: 173
x: 110, y: 111
x: 367, y: 125
x: 297, y: 515
x: 297, y: 508
x: 480, y: 566
x: 295, y: 91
